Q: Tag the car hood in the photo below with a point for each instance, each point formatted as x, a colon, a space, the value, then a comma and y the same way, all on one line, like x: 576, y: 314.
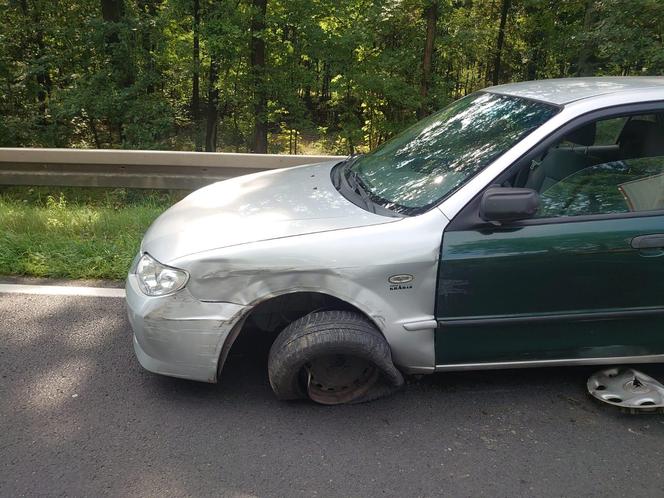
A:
x: 252, y: 208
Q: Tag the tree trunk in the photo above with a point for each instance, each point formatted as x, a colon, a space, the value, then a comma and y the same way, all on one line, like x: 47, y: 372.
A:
x: 42, y: 75
x: 122, y: 74
x: 533, y: 63
x: 257, y: 64
x: 327, y: 77
x: 324, y: 95
x: 113, y: 14
x: 148, y: 9
x: 112, y: 10
x: 586, y: 61
x: 95, y: 134
x: 43, y: 78
x: 431, y: 16
x: 501, y: 40
x: 196, y: 76
x: 306, y: 91
x: 212, y: 109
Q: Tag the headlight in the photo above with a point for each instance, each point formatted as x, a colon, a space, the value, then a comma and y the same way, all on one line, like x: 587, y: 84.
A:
x: 156, y: 279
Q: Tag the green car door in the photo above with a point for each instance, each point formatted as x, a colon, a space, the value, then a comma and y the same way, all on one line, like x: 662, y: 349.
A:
x: 582, y: 280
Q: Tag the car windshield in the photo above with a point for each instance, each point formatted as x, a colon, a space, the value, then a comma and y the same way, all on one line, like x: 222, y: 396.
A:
x: 424, y: 164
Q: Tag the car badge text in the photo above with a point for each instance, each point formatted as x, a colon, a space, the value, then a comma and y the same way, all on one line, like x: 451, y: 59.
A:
x: 401, y: 282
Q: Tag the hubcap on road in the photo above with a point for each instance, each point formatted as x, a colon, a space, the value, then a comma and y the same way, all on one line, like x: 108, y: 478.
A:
x: 628, y: 389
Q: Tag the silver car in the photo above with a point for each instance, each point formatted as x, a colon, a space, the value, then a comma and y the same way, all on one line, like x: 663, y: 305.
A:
x: 522, y: 225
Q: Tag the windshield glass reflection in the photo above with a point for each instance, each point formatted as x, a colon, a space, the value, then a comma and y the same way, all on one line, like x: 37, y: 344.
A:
x: 428, y: 161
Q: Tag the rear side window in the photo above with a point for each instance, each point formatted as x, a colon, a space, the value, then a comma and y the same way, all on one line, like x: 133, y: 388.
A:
x: 608, y: 130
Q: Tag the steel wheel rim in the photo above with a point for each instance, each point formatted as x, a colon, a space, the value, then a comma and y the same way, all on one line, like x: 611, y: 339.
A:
x: 337, y: 378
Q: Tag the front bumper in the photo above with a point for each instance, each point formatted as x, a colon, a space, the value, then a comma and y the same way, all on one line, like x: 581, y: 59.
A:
x: 177, y: 335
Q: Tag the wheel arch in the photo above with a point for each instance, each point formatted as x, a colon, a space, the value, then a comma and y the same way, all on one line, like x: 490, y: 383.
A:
x: 302, y: 302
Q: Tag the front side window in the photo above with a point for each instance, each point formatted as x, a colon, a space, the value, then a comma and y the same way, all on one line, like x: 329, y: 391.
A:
x: 588, y: 173
x: 428, y: 161
x: 609, y: 188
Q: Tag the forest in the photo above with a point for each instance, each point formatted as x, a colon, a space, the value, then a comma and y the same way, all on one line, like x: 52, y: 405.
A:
x: 289, y: 76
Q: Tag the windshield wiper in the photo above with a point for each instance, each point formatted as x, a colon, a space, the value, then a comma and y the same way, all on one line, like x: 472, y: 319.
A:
x: 355, y: 183
x: 346, y: 180
x: 344, y: 177
x: 345, y: 163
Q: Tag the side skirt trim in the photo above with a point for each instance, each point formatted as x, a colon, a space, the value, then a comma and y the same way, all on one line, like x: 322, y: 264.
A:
x: 559, y: 317
x: 656, y: 358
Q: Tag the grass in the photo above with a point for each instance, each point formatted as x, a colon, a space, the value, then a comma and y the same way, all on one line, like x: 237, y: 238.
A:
x: 77, y: 233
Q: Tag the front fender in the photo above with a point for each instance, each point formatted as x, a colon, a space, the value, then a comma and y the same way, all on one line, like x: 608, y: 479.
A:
x: 353, y: 265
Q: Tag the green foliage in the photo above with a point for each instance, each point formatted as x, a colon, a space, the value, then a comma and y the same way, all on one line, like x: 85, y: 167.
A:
x: 75, y: 233
x: 343, y: 75
x: 629, y: 36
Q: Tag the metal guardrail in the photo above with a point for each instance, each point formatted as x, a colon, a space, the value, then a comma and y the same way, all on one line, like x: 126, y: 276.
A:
x: 135, y: 168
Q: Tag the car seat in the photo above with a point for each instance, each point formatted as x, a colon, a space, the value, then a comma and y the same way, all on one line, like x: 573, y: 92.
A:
x: 560, y: 162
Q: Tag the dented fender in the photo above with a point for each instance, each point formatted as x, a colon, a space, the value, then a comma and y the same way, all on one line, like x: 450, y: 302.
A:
x: 354, y: 265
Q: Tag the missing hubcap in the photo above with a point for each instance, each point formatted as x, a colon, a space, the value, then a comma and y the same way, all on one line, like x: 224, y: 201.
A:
x: 335, y: 379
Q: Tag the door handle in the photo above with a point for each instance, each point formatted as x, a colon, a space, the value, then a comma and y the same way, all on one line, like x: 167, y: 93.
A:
x: 654, y: 241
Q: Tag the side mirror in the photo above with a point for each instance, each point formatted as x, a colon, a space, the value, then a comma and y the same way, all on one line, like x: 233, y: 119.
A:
x: 502, y: 204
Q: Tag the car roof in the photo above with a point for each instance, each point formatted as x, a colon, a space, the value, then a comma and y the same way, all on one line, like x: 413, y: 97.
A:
x: 565, y: 90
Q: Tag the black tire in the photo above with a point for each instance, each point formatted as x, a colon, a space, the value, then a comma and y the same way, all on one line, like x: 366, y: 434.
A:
x: 339, y: 334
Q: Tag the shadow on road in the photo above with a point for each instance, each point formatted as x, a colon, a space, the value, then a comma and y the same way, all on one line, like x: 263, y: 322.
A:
x: 80, y: 417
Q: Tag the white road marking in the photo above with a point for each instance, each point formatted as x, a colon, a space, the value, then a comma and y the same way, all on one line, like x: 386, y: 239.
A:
x: 61, y: 290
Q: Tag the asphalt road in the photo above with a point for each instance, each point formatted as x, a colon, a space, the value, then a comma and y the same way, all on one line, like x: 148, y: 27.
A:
x: 79, y: 417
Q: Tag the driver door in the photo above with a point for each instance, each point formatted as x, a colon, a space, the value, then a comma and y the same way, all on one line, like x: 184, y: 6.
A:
x: 583, y: 280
